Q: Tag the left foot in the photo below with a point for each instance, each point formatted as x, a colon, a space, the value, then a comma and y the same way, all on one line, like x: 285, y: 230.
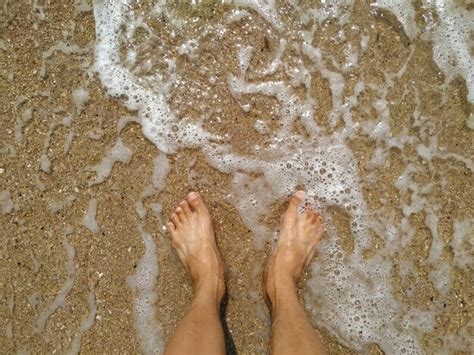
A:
x: 192, y: 236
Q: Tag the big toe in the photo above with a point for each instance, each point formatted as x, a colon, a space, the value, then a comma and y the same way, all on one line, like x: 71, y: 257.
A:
x: 295, y: 201
x: 195, y: 200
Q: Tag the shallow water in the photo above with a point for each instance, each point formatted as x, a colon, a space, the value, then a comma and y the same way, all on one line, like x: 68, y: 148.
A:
x: 113, y: 112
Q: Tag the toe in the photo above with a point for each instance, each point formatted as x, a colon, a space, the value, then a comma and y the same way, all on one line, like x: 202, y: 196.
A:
x: 295, y: 201
x: 310, y: 214
x: 181, y: 215
x: 308, y: 209
x: 320, y: 226
x: 185, y: 206
x: 195, y: 200
x: 320, y: 219
x: 171, y: 228
x: 175, y: 220
x: 309, y: 257
x: 312, y: 219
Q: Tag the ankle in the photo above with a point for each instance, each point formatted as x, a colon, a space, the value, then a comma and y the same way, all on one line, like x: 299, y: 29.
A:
x: 211, y: 287
x: 278, y: 289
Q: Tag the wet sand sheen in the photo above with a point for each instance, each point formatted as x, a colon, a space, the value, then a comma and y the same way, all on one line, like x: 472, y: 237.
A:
x: 34, y: 258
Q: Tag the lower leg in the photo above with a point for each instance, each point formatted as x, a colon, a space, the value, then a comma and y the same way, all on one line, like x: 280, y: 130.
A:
x: 192, y: 235
x: 200, y: 332
x: 292, y: 332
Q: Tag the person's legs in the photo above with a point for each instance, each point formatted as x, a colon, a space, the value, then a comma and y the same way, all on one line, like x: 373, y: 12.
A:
x: 292, y: 333
x: 192, y: 235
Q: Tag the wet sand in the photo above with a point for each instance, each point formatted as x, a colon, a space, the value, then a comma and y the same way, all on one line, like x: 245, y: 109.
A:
x: 33, y: 258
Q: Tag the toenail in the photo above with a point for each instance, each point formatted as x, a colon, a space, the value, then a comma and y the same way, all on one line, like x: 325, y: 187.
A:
x: 300, y: 194
x: 193, y: 195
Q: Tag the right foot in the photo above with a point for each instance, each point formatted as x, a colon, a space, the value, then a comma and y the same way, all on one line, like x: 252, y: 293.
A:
x: 300, y: 234
x: 192, y: 235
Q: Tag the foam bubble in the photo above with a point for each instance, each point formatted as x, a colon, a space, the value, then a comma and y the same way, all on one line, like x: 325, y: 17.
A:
x: 89, y: 221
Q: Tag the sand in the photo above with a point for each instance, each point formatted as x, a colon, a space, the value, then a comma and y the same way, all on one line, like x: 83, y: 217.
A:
x: 33, y: 259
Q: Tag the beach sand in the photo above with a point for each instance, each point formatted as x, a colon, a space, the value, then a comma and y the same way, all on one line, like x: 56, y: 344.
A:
x: 49, y: 205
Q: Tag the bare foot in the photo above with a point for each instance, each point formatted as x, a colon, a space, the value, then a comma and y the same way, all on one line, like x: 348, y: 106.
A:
x: 299, y: 236
x: 192, y: 236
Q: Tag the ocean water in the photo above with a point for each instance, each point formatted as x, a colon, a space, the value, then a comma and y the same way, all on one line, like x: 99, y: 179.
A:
x: 367, y: 106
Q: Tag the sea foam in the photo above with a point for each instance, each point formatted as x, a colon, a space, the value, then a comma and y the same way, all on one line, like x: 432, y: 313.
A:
x: 357, y: 302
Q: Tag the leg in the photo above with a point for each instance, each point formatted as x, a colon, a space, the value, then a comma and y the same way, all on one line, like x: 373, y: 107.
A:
x: 192, y: 235
x: 292, y: 333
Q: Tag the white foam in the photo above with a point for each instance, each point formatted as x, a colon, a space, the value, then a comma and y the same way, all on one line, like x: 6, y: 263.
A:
x: 460, y: 341
x: 125, y: 120
x: 56, y: 206
x: 139, y: 206
x: 9, y: 150
x: 45, y: 163
x: 160, y: 125
x: 82, y: 6
x: 339, y: 12
x: 189, y: 48
x: 69, y: 138
x: 118, y: 153
x: 80, y: 97
x: 38, y: 11
x: 161, y: 169
x: 405, y: 13
x: 357, y: 303
x: 462, y: 244
x: 89, y: 221
x: 34, y: 261
x: 237, y: 15
x: 336, y: 81
x: 452, y: 42
x: 450, y: 35
x: 10, y: 305
x: 275, y: 63
x: 470, y: 121
x: 143, y: 284
x: 27, y: 115
x: 3, y: 45
x: 262, y: 127
x: 21, y: 121
x: 8, y: 206
x: 60, y: 299
x: 87, y: 323
x: 244, y: 55
x: 266, y: 9
x: 9, y: 331
x: 65, y: 48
